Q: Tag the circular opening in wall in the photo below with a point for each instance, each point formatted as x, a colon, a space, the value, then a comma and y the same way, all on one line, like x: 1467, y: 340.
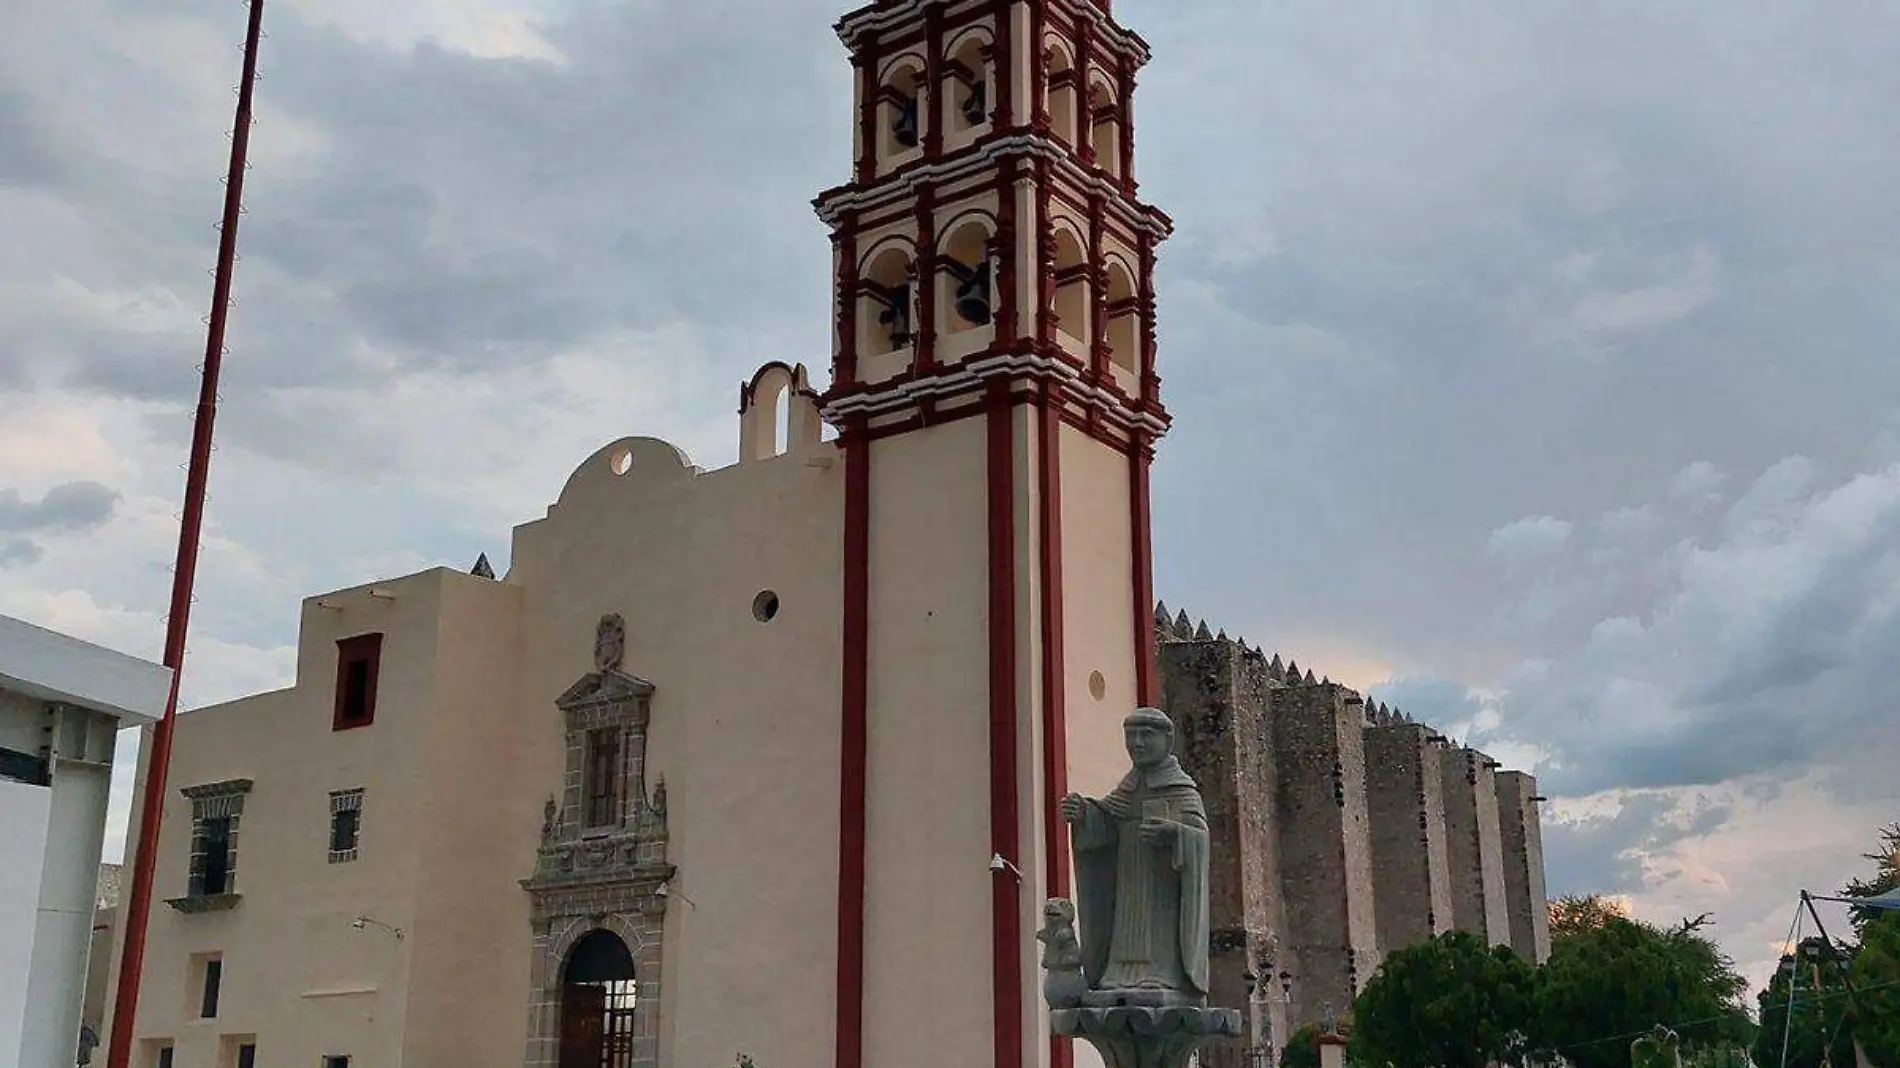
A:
x: 765, y: 607
x: 1098, y: 686
x: 622, y: 462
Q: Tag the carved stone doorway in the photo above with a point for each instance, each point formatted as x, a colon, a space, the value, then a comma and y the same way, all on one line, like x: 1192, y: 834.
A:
x: 599, y: 998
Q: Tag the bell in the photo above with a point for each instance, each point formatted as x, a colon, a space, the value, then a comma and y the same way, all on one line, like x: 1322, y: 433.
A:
x: 973, y: 292
x: 976, y: 108
x: 904, y: 130
x: 896, y: 313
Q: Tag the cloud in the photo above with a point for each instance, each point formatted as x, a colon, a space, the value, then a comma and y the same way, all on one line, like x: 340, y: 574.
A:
x: 1528, y: 541
x: 1763, y: 653
x: 64, y: 509
x: 1456, y: 265
x: 17, y: 552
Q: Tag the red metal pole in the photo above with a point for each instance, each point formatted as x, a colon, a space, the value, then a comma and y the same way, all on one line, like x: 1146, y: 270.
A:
x: 138, y: 907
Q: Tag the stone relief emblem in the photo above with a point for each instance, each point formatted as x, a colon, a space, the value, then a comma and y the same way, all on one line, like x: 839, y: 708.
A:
x: 610, y: 643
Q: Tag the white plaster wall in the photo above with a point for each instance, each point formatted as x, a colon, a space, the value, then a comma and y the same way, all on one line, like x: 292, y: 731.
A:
x: 928, y: 886
x: 1098, y: 624
x: 43, y: 663
x: 744, y: 723
x: 68, y: 892
x: 296, y: 975
x: 24, y: 815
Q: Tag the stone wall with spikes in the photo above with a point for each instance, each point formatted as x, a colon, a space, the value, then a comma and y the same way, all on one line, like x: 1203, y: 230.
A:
x: 1411, y: 865
x: 1521, y: 834
x: 1342, y: 829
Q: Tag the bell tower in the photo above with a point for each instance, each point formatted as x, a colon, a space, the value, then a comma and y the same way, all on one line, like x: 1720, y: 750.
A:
x: 994, y: 391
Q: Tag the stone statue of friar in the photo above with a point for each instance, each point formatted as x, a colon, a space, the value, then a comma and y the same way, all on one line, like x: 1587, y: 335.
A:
x: 1141, y: 858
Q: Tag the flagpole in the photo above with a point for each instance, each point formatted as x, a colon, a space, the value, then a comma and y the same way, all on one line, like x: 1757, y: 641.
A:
x: 1794, y: 980
x: 139, y: 904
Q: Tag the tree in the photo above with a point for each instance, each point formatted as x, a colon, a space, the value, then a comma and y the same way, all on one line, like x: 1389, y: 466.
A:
x: 1452, y: 1002
x: 1819, y: 1031
x: 1875, y: 1015
x: 1302, y: 1048
x: 1574, y: 913
x: 1605, y: 984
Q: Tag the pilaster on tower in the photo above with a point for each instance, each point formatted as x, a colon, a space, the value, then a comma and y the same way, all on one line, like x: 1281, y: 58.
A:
x: 993, y: 228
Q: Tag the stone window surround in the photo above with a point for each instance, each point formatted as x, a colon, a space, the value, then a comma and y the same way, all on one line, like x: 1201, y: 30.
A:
x: 347, y: 801
x: 607, y: 878
x: 209, y: 801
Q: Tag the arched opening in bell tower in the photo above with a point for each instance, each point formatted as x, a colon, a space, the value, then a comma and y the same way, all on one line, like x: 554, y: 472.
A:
x: 887, y: 299
x: 903, y: 108
x: 1105, y: 132
x: 1123, y: 308
x: 966, y: 286
x: 1064, y: 93
x: 967, y: 90
x: 1073, y: 285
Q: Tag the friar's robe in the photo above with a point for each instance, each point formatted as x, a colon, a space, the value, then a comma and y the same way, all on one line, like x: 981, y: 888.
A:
x: 1143, y: 909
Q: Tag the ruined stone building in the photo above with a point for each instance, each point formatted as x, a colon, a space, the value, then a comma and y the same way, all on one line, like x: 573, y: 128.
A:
x: 1341, y: 829
x: 768, y: 759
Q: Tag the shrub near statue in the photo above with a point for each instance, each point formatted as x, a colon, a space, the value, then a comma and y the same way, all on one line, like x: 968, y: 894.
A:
x: 1141, y: 860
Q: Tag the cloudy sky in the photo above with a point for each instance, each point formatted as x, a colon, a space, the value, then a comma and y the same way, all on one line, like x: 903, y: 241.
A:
x: 1533, y: 362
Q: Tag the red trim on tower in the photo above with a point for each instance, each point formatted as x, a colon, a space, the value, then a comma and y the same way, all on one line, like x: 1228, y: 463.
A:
x: 867, y: 60
x: 1007, y: 321
x: 851, y: 817
x: 1055, y: 737
x: 933, y: 79
x: 1039, y: 67
x: 924, y: 275
x: 1003, y: 62
x: 1140, y: 458
x: 1005, y: 837
x: 844, y: 369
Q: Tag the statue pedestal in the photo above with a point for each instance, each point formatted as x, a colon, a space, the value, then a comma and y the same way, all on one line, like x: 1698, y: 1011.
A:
x: 1131, y: 1036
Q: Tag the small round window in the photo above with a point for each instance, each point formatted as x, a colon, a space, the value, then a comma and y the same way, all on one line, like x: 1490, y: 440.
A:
x: 765, y: 607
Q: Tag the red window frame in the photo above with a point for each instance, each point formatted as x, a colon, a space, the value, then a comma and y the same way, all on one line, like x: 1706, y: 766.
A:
x: 366, y: 651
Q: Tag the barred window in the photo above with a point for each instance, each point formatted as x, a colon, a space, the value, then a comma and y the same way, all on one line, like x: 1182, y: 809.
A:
x: 603, y: 777
x: 216, y: 809
x: 346, y: 825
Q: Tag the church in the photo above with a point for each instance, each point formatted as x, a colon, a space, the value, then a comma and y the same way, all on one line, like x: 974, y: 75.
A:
x: 768, y: 760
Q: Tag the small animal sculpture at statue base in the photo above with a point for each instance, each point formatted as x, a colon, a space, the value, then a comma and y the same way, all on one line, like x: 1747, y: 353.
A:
x: 1063, y: 983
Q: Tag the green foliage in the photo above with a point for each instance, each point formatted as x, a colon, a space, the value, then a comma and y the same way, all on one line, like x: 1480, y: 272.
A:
x: 1302, y: 1049
x: 1623, y: 977
x: 1576, y: 913
x: 1452, y: 1002
x: 1875, y: 1016
x: 744, y: 1060
x: 1661, y: 1048
x: 1819, y: 1032
x: 1886, y: 878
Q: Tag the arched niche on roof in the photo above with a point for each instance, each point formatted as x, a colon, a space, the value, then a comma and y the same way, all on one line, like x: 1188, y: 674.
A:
x: 778, y: 413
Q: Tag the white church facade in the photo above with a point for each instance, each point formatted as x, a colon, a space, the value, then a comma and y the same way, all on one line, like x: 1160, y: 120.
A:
x: 760, y: 760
